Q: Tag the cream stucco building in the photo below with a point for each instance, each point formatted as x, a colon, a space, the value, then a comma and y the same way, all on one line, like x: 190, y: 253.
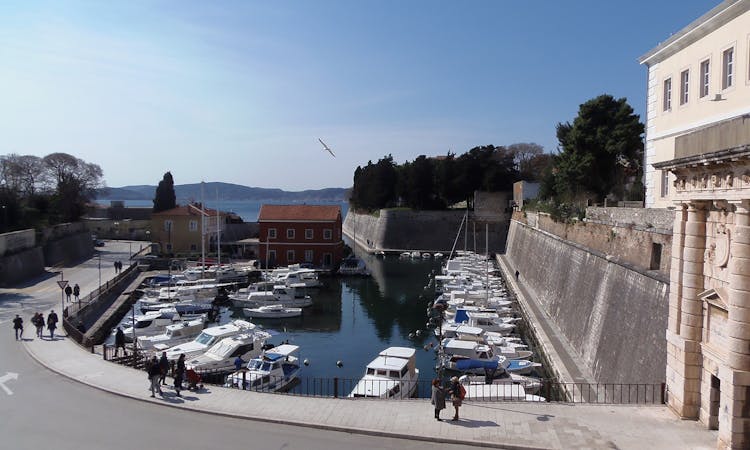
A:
x: 698, y: 161
x: 698, y: 77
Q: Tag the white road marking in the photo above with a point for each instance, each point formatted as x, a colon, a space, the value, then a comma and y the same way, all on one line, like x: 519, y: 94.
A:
x: 8, y: 376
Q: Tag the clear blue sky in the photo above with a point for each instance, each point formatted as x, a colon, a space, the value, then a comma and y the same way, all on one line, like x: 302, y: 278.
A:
x: 240, y: 91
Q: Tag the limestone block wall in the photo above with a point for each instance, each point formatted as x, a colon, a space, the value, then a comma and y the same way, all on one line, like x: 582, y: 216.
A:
x: 21, y: 266
x: 628, y: 234
x: 68, y: 248
x: 422, y: 230
x: 613, y: 313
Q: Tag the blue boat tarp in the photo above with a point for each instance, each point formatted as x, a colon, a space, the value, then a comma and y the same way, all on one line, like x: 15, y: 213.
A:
x: 461, y: 316
x: 468, y: 364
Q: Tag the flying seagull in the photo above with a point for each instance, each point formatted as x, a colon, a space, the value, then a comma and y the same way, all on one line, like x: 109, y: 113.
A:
x: 326, y: 147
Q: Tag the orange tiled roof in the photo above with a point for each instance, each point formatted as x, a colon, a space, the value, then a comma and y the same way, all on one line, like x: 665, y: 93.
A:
x: 299, y: 212
x: 188, y: 210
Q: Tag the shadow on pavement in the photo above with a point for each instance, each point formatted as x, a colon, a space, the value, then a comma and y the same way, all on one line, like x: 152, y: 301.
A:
x: 469, y: 423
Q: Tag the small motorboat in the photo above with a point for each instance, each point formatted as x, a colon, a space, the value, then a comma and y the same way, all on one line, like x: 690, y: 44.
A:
x: 392, y: 374
x: 426, y: 256
x: 405, y: 255
x: 274, y: 370
x: 438, y: 255
x: 272, y: 312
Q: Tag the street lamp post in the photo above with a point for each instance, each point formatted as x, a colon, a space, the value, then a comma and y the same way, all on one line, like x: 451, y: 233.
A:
x: 63, y: 284
x: 100, y: 272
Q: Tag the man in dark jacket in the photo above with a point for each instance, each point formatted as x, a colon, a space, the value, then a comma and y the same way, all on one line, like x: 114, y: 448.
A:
x: 18, y: 326
x: 119, y: 341
x: 52, y: 324
x: 68, y: 291
x: 153, y: 375
x: 163, y: 368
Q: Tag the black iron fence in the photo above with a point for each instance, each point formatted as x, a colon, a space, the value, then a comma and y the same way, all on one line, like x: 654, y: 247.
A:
x: 535, y: 390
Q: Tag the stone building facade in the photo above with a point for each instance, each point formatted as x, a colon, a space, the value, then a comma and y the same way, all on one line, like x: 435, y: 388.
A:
x: 708, y: 331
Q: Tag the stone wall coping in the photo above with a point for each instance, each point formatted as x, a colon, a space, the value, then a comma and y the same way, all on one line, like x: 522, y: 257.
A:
x: 653, y: 274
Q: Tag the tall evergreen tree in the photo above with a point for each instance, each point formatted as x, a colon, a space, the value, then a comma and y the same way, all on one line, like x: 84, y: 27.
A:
x: 165, y: 197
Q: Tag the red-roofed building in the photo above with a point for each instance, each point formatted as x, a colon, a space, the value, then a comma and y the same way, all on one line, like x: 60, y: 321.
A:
x: 292, y: 234
x: 179, y: 230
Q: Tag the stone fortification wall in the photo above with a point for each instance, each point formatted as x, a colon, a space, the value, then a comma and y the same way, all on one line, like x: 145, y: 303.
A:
x: 68, y: 248
x: 21, y: 266
x: 627, y: 234
x: 612, y: 313
x: 398, y: 229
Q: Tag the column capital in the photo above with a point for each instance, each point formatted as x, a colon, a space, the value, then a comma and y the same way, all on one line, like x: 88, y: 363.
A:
x: 698, y: 205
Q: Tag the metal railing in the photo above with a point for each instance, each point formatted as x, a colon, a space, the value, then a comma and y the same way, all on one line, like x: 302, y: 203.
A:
x: 542, y: 390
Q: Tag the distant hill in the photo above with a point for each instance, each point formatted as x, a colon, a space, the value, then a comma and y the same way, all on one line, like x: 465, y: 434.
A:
x: 227, y: 191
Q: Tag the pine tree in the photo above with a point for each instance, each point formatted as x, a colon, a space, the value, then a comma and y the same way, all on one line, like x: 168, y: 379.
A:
x: 165, y: 197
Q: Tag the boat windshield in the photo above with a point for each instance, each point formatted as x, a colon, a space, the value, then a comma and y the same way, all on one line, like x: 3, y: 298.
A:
x: 204, y: 338
x: 256, y: 364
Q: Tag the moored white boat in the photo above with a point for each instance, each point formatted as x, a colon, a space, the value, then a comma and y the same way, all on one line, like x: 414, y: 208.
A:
x: 207, y: 338
x: 272, y: 312
x: 274, y: 370
x: 174, y: 334
x: 222, y: 355
x: 392, y: 374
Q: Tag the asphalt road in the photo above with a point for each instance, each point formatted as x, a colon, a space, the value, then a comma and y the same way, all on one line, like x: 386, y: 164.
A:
x: 40, y: 409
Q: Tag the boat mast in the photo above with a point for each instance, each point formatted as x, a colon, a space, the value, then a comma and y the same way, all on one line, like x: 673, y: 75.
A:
x: 218, y: 229
x: 203, y: 236
x: 458, y: 235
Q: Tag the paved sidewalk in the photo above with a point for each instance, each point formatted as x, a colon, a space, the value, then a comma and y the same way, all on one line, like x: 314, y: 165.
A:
x: 501, y: 425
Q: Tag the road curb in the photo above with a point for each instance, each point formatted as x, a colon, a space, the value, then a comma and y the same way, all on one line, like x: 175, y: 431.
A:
x: 318, y: 426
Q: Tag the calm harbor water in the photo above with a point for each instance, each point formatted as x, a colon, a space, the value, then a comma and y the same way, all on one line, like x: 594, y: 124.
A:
x: 246, y: 209
x: 353, y: 319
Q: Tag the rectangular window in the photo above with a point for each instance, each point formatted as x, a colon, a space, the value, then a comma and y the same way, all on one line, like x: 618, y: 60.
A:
x: 308, y: 256
x: 308, y: 233
x: 272, y: 257
x: 655, y: 256
x: 168, y: 225
x: 290, y: 256
x: 727, y: 60
x: 290, y: 233
x: 327, y: 234
x: 667, y: 94
x: 684, y: 86
x: 193, y: 225
x: 705, y: 77
x: 272, y: 233
x: 664, y: 183
x: 193, y: 247
x: 169, y: 248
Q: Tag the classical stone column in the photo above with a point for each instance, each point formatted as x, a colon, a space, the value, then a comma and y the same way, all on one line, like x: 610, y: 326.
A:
x: 675, y: 278
x: 693, y: 254
x: 685, y: 323
x: 734, y: 420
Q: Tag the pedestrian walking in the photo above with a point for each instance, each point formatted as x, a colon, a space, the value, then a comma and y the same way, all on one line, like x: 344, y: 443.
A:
x: 76, y: 292
x: 153, y: 375
x: 163, y: 368
x: 458, y: 393
x: 38, y: 321
x: 52, y: 324
x: 18, y: 326
x: 179, y: 373
x: 438, y: 398
x: 68, y: 292
x: 119, y: 341
x: 115, y: 266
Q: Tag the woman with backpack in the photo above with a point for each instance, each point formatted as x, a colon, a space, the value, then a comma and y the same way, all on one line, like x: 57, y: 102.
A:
x: 457, y: 395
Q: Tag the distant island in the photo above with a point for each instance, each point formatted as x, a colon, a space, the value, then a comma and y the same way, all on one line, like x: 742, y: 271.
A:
x: 227, y: 191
